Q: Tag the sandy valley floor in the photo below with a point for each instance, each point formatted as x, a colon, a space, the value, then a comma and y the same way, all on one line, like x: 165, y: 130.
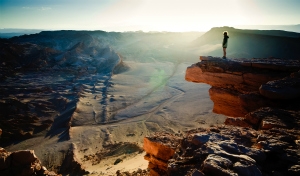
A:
x: 113, y: 114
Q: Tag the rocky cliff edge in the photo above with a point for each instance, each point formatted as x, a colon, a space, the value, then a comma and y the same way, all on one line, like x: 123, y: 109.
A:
x: 261, y: 134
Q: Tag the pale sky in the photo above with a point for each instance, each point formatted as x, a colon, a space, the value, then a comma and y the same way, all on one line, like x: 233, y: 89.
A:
x: 146, y: 15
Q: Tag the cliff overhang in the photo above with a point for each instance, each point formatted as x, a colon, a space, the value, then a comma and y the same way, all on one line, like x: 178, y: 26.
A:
x: 261, y: 133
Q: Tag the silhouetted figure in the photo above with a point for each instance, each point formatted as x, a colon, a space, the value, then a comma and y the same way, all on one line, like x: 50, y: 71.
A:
x: 224, y: 44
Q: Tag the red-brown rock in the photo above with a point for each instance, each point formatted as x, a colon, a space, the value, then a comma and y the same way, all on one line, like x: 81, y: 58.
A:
x: 195, y: 74
x: 159, y: 148
x: 237, y: 121
x: 155, y: 162
x: 227, y: 102
x: 240, y: 86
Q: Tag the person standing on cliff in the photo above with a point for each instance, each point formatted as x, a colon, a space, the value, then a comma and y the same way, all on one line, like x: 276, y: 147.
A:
x: 224, y: 44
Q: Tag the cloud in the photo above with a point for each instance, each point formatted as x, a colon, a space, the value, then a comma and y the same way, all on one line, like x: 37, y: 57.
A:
x: 44, y: 8
x: 37, y: 8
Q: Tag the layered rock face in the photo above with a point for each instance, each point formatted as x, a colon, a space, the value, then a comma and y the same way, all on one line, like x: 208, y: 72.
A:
x: 160, y: 148
x: 240, y: 86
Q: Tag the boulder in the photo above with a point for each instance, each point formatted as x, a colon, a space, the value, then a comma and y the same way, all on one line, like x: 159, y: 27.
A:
x: 267, y: 118
x: 287, y: 88
x: 202, y: 138
x: 258, y: 155
x: 246, y: 169
x: 23, y: 157
x: 254, y: 117
x: 217, y: 165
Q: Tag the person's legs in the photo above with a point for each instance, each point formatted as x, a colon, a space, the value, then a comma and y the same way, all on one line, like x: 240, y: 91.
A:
x: 224, y: 52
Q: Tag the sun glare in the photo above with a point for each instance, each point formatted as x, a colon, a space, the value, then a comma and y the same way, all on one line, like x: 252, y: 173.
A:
x: 173, y: 16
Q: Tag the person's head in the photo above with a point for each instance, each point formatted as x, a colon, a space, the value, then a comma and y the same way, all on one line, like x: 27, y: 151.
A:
x: 225, y: 33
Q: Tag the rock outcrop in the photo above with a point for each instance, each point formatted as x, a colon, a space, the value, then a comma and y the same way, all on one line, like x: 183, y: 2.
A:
x: 261, y: 97
x: 23, y: 162
x: 286, y: 88
x: 159, y: 149
x: 230, y: 150
x: 240, y: 86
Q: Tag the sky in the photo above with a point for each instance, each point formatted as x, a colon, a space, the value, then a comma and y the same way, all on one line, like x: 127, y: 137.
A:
x: 145, y: 15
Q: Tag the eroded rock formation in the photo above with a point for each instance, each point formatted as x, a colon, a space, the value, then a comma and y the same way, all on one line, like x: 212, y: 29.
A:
x: 240, y: 86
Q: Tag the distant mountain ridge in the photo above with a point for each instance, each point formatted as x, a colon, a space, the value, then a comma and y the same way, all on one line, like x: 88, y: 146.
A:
x: 11, y: 32
x: 250, y: 43
x: 291, y: 28
x: 80, y: 48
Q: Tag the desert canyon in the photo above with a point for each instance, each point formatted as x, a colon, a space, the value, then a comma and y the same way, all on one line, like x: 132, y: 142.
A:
x: 109, y: 103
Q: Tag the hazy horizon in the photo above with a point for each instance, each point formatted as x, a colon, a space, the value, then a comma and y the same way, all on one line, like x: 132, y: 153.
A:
x: 255, y: 27
x: 146, y: 15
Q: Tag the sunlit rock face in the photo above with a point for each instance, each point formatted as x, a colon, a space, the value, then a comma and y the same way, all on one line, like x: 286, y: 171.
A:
x: 240, y: 86
x: 159, y: 149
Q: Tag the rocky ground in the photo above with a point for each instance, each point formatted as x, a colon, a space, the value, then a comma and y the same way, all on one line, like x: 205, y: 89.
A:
x: 261, y: 133
x: 225, y: 150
